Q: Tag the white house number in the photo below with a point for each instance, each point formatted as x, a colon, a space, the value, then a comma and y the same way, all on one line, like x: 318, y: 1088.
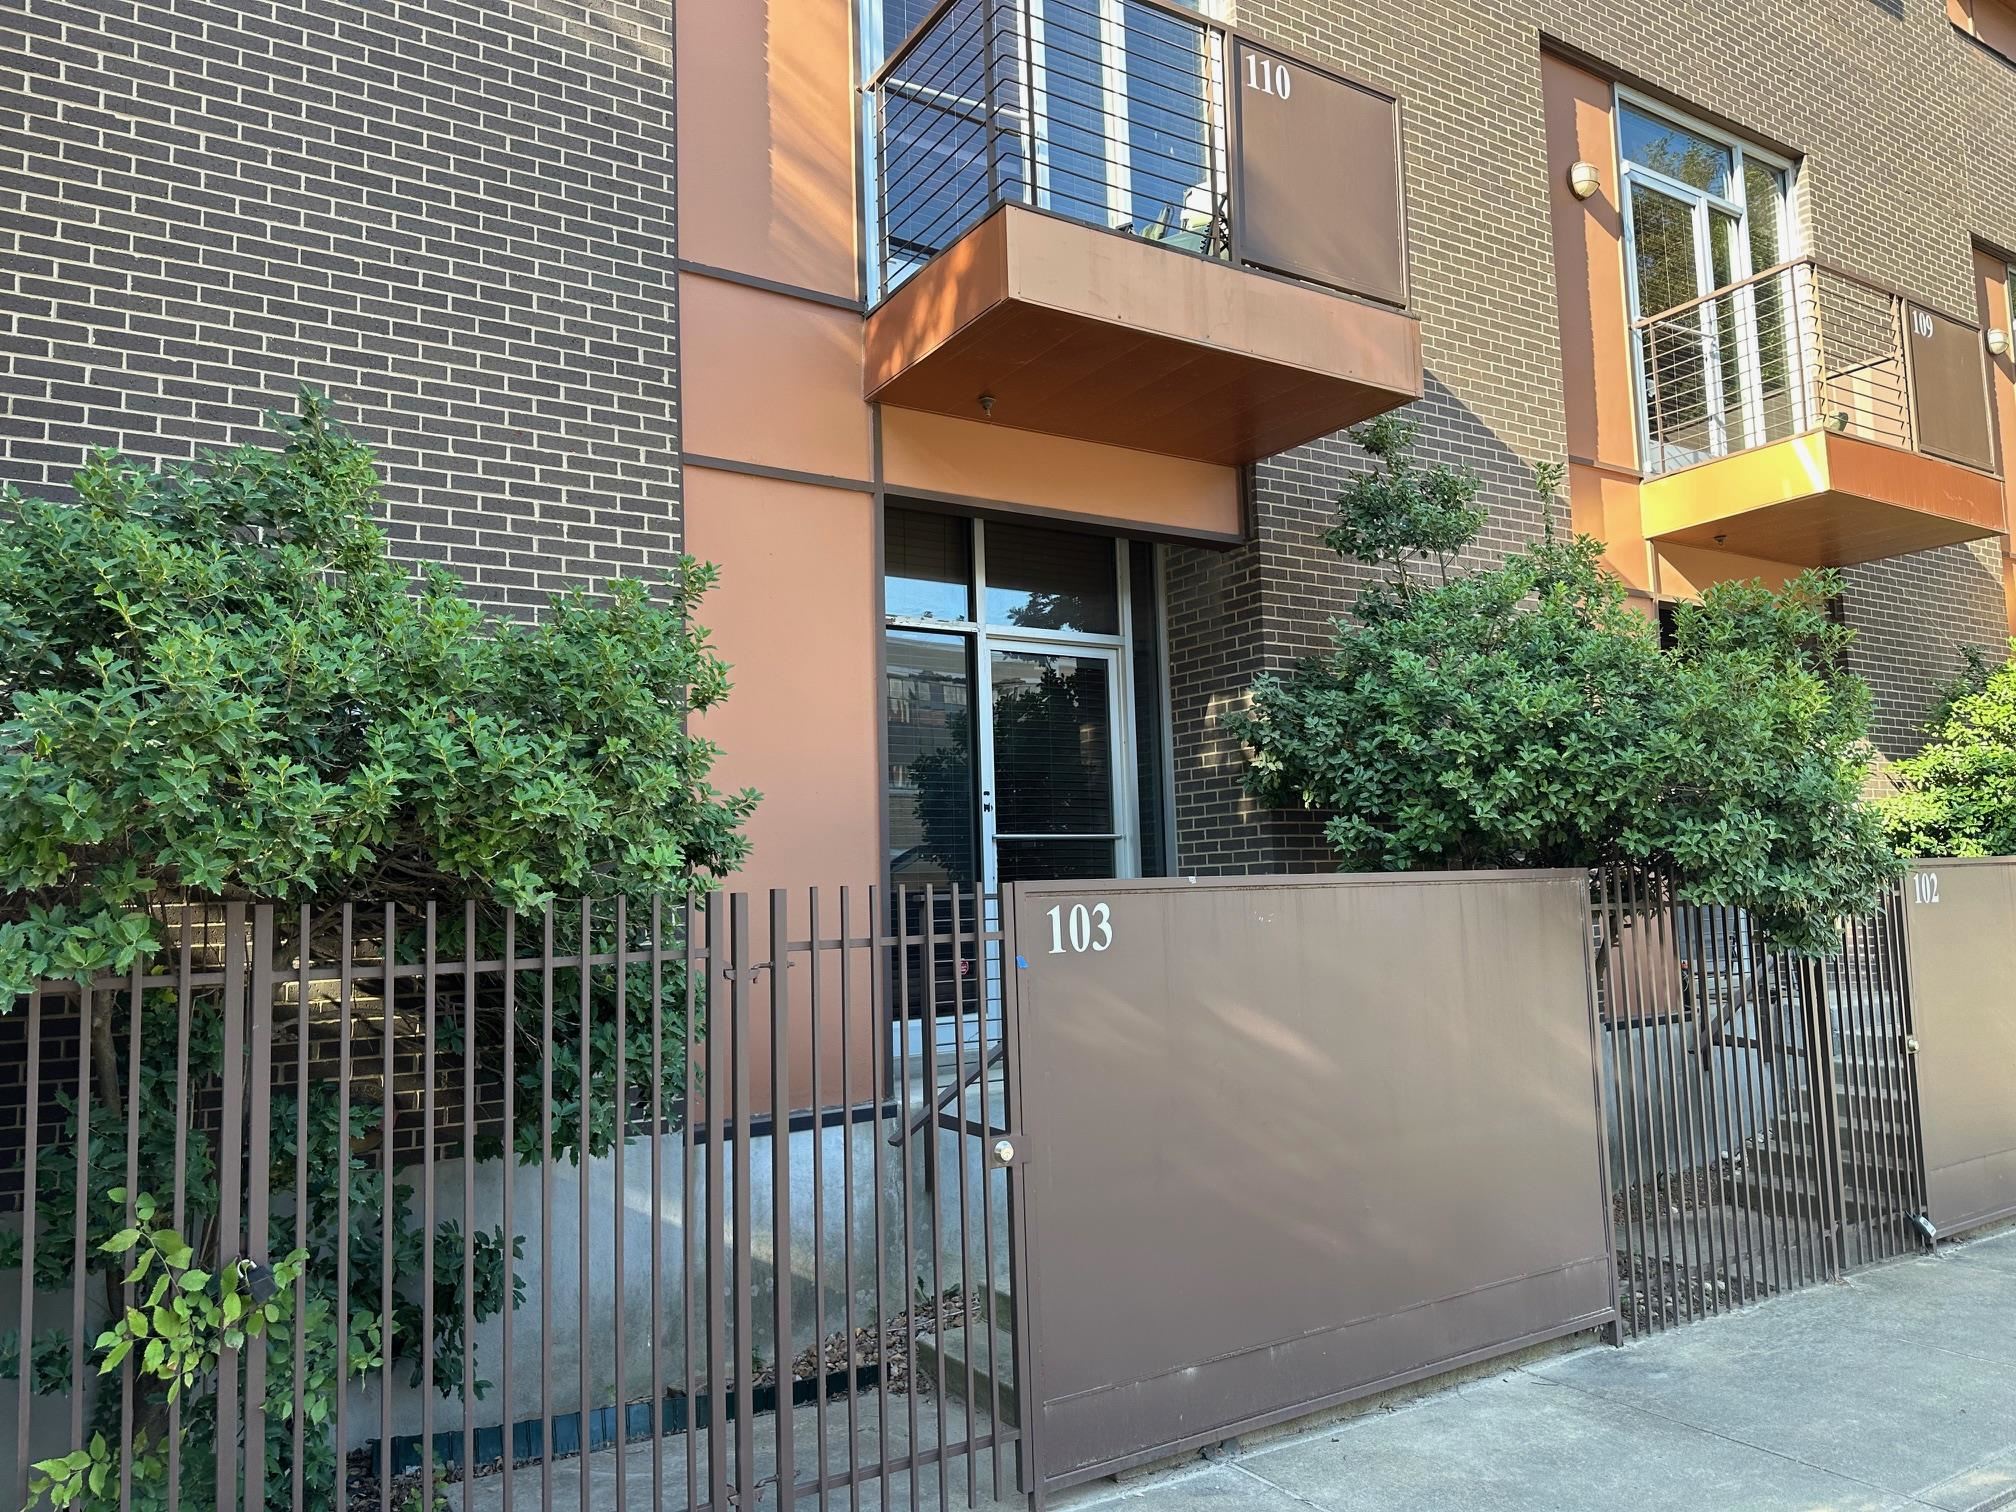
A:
x: 1921, y: 325
x: 1081, y: 930
x: 1925, y: 887
x: 1268, y: 76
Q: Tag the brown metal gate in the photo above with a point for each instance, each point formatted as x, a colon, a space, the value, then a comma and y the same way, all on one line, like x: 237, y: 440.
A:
x: 1761, y: 1107
x: 1294, y: 1140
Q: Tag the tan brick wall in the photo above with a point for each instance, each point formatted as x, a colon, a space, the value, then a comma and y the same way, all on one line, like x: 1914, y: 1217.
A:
x: 1904, y: 127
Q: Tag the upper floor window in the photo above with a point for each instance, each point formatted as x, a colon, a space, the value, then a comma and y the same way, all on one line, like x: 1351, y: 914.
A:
x: 1706, y: 218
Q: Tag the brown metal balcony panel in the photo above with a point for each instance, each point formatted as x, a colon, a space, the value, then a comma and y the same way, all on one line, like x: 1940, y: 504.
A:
x: 1075, y: 331
x: 1823, y: 500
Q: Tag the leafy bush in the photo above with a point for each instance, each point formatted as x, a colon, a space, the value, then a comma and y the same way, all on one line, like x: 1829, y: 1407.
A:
x: 1525, y: 715
x: 221, y: 686
x: 218, y: 683
x: 1957, y: 796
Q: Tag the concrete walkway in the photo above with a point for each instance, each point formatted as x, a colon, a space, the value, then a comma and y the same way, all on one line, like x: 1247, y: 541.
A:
x: 1894, y: 1389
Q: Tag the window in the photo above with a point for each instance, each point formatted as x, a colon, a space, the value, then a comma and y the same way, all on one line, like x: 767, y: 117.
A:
x: 1707, y: 218
x: 1024, y: 702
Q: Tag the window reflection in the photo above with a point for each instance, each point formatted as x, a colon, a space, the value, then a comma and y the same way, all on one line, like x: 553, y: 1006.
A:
x: 931, y: 766
x: 1676, y: 152
x: 1051, y: 580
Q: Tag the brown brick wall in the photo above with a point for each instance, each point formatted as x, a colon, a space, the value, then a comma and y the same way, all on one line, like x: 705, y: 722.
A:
x: 1901, y: 121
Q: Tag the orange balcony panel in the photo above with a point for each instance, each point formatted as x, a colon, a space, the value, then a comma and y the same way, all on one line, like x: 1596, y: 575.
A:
x: 1823, y: 500
x: 1075, y: 331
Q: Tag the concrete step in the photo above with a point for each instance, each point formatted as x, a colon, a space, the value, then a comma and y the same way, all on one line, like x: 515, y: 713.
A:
x: 954, y: 1348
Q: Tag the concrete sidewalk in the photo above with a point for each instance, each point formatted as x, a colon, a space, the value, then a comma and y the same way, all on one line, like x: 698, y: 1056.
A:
x: 1894, y: 1389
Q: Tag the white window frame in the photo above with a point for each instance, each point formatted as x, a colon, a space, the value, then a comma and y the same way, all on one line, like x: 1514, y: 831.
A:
x: 1703, y: 205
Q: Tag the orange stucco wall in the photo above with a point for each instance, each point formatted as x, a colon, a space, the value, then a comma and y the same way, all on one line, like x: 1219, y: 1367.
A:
x: 766, y: 140
x: 794, y: 616
x: 936, y: 455
x: 770, y: 379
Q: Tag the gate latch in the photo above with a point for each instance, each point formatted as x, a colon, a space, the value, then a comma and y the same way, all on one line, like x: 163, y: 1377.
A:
x: 1003, y: 1152
x: 1910, y: 1044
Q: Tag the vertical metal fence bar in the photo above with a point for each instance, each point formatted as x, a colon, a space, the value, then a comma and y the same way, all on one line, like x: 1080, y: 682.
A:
x: 1889, y: 1220
x: 815, y: 964
x: 878, y: 1096
x: 934, y: 1185
x: 1856, y: 1107
x: 133, y: 1052
x: 619, y: 1209
x: 687, y: 1251
x: 968, y: 1338
x: 1699, y: 1056
x: 230, y: 1172
x: 388, y: 1339
x: 1907, y: 1064
x: 1741, y: 1167
x: 80, y: 1238
x: 185, y: 1118
x: 740, y: 1280
x: 469, y: 957
x: 991, y: 1302
x: 906, y: 1210
x: 429, y: 1125
x: 584, y: 1007
x: 1747, y: 1070
x: 340, y: 1425
x: 1623, y: 1009
x: 1652, y: 1033
x: 1680, y: 1101
x: 714, y: 1089
x: 31, y: 1121
x: 848, y: 1209
x: 780, y: 1186
x: 507, y: 1364
x: 299, y: 1426
x: 1810, y: 1152
x: 1769, y: 1106
x: 1826, y: 1082
x: 547, y: 1047
x: 657, y: 1104
x: 1687, y: 1088
x: 1608, y: 956
x: 259, y: 1170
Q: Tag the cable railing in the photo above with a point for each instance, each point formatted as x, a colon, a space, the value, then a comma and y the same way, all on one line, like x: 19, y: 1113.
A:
x: 1113, y: 115
x: 1802, y: 346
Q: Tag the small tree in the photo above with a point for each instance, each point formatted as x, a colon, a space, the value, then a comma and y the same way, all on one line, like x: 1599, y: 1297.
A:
x: 220, y: 685
x: 1957, y: 796
x: 1525, y: 715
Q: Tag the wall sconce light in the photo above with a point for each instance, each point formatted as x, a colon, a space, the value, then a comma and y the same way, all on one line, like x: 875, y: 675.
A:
x: 1583, y: 179
x: 1998, y: 342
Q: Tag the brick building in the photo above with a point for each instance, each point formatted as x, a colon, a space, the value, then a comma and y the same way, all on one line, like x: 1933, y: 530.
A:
x: 998, y: 350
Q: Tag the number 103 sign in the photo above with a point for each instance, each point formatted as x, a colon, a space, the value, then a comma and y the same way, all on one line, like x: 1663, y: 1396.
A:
x: 1080, y: 928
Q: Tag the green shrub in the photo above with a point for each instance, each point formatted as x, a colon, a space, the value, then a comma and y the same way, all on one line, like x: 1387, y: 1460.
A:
x: 1957, y: 796
x: 220, y: 686
x: 1525, y: 715
x: 218, y: 683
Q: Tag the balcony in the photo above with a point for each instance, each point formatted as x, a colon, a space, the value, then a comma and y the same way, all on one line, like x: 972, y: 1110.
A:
x: 1110, y: 220
x: 1807, y: 415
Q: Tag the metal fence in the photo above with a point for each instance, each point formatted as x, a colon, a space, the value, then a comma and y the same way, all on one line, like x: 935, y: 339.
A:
x: 1106, y: 111
x: 607, y: 1204
x: 1793, y: 348
x: 1761, y: 1106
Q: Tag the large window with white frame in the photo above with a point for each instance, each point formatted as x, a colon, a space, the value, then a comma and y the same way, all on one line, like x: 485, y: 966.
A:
x: 1707, y: 218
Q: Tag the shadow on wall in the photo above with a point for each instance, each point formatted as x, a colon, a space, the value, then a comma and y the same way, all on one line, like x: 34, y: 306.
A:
x: 1268, y: 604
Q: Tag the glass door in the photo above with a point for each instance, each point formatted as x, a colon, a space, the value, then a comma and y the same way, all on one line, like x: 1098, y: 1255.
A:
x: 1051, y: 763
